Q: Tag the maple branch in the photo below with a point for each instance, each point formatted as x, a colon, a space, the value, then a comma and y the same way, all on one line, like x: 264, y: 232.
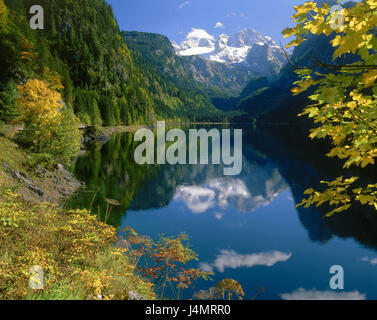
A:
x: 328, y: 66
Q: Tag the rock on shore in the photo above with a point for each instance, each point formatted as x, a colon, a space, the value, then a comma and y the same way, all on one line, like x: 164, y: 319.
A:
x: 54, y: 185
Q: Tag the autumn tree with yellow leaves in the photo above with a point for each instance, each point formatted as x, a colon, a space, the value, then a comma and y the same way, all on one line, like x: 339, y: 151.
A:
x: 344, y: 105
x: 49, y: 126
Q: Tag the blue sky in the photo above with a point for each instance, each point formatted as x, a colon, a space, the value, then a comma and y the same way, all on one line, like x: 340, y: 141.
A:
x: 175, y: 18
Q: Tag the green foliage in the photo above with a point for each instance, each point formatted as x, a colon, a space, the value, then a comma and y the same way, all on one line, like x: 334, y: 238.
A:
x: 194, y: 72
x: 44, y: 160
x: 11, y: 154
x: 345, y: 99
x: 229, y: 287
x: 174, y: 97
x: 65, y: 144
x: 8, y: 106
x: 74, y: 249
x: 104, y: 83
x: 225, y: 290
x: 3, y: 129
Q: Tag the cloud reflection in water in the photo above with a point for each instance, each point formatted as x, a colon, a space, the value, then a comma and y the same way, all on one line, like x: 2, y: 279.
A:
x: 224, y: 192
x: 233, y: 260
x: 303, y: 294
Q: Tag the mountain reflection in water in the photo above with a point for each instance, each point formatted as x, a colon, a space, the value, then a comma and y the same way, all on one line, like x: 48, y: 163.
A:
x: 244, y: 227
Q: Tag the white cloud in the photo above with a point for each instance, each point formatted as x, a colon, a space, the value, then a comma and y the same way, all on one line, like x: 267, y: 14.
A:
x: 303, y: 294
x: 219, y: 215
x: 233, y: 260
x: 243, y: 16
x: 219, y: 25
x: 197, y: 33
x: 184, y: 4
x: 232, y: 14
x: 372, y: 261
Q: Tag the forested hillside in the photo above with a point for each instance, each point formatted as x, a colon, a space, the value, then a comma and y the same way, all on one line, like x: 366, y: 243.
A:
x: 176, y: 94
x: 215, y: 80
x: 275, y: 102
x: 82, y: 52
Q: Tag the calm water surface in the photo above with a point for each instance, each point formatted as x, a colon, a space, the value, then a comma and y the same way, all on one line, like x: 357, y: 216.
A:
x: 245, y: 227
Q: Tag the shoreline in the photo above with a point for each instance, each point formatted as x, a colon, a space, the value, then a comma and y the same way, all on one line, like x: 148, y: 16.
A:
x: 109, y: 130
x: 57, y: 239
x: 100, y: 135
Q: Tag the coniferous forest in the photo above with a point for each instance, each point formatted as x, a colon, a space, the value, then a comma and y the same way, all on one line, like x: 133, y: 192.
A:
x: 103, y: 82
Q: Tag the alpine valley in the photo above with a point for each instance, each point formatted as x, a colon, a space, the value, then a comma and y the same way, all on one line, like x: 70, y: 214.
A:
x: 219, y: 68
x: 87, y: 212
x: 112, y: 77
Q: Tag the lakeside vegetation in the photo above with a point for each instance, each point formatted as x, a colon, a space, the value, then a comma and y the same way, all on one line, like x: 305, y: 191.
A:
x: 80, y: 71
x: 344, y: 101
x: 76, y: 251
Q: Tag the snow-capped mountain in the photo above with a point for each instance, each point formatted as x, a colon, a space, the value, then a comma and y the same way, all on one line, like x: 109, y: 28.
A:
x: 248, y: 47
x: 197, y: 42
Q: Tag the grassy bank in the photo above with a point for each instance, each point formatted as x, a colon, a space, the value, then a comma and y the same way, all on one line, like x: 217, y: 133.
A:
x: 76, y: 251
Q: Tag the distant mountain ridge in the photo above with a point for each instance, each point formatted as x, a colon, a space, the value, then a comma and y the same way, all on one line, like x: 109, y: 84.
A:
x: 275, y: 102
x: 193, y: 71
x: 248, y: 47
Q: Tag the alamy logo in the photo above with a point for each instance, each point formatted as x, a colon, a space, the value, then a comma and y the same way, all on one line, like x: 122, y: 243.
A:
x: 176, y: 153
x: 337, y: 19
x: 337, y: 281
x: 36, y: 281
x: 37, y: 20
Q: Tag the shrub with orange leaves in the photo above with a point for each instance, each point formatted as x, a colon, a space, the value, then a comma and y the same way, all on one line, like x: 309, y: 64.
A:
x: 163, y: 262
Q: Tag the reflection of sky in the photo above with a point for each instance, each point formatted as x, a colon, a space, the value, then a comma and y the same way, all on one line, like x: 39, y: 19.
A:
x: 232, y: 259
x: 267, y: 247
x: 372, y: 261
x: 225, y: 192
x: 302, y: 294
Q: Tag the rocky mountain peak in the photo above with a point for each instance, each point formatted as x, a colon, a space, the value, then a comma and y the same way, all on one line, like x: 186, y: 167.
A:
x: 248, y: 47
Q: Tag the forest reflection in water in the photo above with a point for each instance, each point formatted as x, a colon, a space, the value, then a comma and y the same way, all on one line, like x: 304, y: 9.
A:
x: 241, y: 226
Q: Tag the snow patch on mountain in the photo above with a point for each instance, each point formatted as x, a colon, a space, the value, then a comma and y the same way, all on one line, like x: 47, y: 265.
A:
x: 197, y: 42
x: 248, y: 47
x: 176, y: 46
